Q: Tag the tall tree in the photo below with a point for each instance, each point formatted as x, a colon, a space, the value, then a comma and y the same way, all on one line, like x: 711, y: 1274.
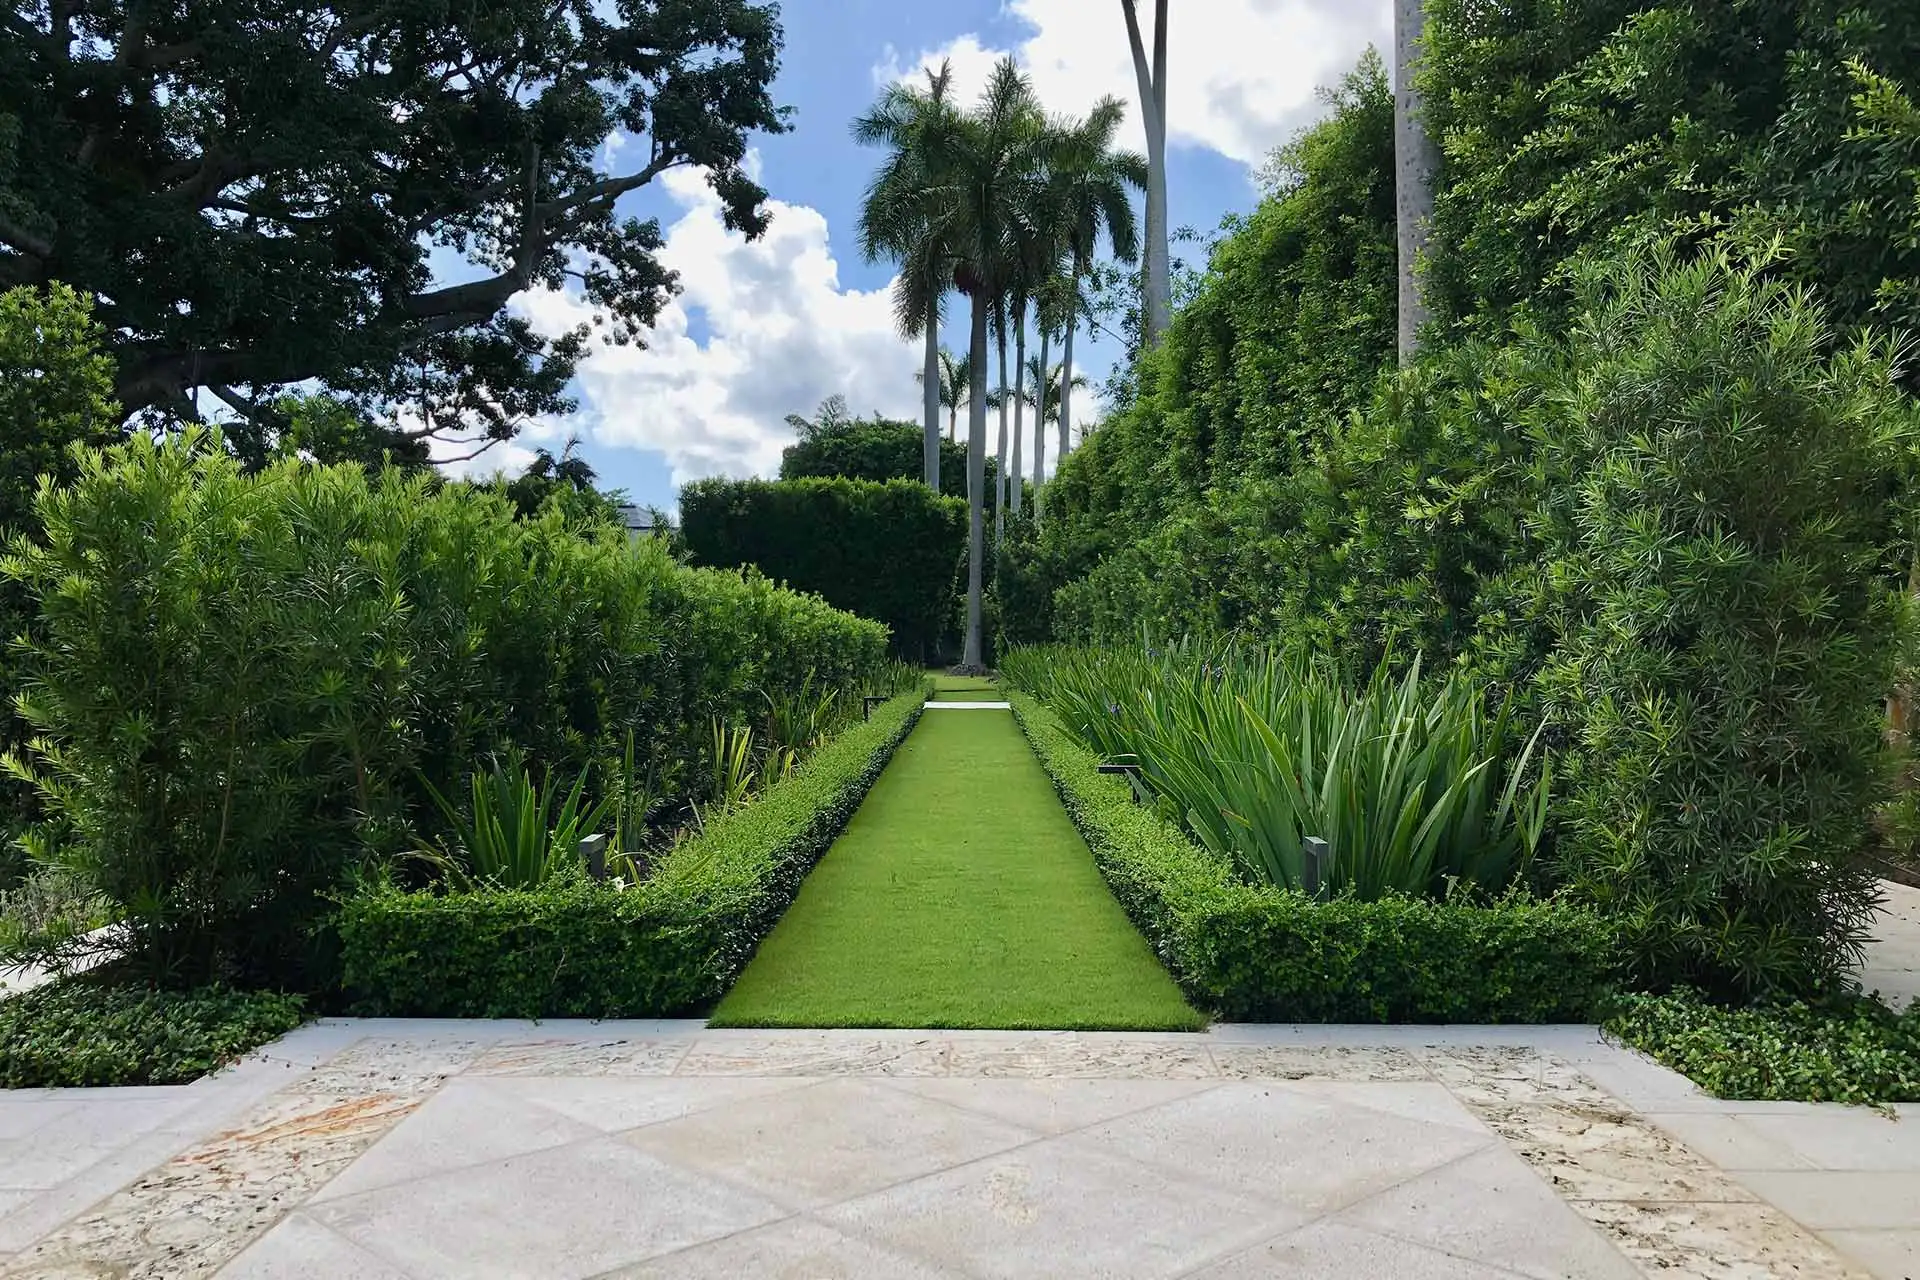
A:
x: 1156, y: 288
x: 905, y: 120
x: 985, y: 168
x: 1089, y: 193
x: 252, y: 192
x: 1415, y: 162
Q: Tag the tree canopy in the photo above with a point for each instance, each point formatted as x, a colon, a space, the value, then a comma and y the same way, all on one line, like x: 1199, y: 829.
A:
x: 259, y: 195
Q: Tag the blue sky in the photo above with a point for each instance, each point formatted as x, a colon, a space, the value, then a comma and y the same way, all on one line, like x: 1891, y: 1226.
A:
x: 772, y: 328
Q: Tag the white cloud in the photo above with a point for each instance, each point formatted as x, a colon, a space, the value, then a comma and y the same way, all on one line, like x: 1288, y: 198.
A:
x: 1242, y: 75
x: 780, y: 335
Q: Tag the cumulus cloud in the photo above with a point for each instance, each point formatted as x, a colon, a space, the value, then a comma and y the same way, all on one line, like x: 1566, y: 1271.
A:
x: 776, y: 335
x: 1242, y: 75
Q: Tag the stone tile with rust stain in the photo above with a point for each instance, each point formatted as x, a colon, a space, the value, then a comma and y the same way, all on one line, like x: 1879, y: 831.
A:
x: 1285, y: 1062
x: 1716, y: 1241
x: 1499, y: 1076
x: 582, y: 1058
x: 815, y: 1056
x: 1591, y: 1153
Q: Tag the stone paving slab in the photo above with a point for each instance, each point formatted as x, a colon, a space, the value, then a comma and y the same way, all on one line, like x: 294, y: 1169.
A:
x: 403, y: 1150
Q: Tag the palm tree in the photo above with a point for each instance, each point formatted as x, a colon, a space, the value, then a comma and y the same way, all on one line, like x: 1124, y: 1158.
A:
x: 905, y: 120
x: 1414, y: 160
x: 1156, y: 287
x: 1090, y: 195
x: 981, y: 174
x: 1046, y: 404
x: 956, y: 377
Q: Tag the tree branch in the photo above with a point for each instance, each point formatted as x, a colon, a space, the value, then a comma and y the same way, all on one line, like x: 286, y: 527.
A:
x: 19, y: 238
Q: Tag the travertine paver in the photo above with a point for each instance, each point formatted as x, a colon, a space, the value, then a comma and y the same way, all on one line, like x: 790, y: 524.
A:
x: 1893, y: 957
x: 405, y: 1151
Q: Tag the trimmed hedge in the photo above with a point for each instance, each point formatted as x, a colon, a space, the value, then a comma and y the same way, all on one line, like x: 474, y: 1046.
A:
x: 881, y: 550
x: 88, y: 1032
x: 1259, y: 954
x: 668, y: 946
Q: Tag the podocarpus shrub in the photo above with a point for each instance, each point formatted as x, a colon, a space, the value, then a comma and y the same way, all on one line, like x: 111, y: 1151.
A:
x: 577, y: 949
x: 1257, y: 953
x: 881, y: 550
x: 243, y: 681
x: 1726, y: 642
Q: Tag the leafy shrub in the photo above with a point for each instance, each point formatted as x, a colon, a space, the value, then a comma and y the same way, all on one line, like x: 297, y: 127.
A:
x: 883, y: 551
x: 86, y: 1032
x: 1854, y: 1050
x: 1725, y: 640
x: 666, y: 946
x: 1412, y: 784
x: 879, y: 450
x: 1258, y: 953
x: 243, y: 683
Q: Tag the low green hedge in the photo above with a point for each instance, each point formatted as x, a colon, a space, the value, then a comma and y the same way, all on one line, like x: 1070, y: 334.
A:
x: 1255, y: 953
x: 1856, y: 1051
x: 668, y: 946
x: 87, y: 1031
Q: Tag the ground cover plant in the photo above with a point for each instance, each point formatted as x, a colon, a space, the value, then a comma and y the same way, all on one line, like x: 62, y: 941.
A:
x: 1246, y: 950
x: 959, y: 896
x: 1842, y: 1049
x: 92, y: 1030
x: 664, y: 945
x: 1414, y: 784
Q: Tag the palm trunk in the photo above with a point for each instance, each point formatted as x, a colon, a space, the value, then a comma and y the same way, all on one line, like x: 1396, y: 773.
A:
x: 976, y: 482
x: 1000, y: 480
x: 1019, y: 405
x: 930, y: 402
x: 1040, y: 430
x: 1414, y: 164
x: 1066, y: 377
x: 1156, y: 284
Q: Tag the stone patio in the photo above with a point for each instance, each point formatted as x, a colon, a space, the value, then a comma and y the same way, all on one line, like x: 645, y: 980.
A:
x: 388, y: 1150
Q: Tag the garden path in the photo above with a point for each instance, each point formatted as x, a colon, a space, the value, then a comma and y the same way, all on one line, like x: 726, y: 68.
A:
x: 387, y: 1150
x: 960, y: 895
x: 1893, y: 957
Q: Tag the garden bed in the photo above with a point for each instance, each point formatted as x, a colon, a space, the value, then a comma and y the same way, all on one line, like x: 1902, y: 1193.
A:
x: 90, y: 1031
x: 1257, y: 953
x: 668, y: 946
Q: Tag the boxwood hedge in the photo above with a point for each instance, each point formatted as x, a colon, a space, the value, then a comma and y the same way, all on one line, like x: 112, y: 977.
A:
x: 1255, y: 953
x: 668, y: 946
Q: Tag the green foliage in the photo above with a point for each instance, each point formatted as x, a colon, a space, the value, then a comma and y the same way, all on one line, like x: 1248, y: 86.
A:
x: 881, y: 550
x: 1250, y: 952
x: 669, y: 945
x: 47, y: 907
x: 86, y: 1032
x: 1852, y: 1050
x: 1726, y: 641
x: 243, y: 682
x: 56, y: 388
x: 1414, y: 784
x: 1601, y: 127
x: 252, y: 192
x: 512, y: 834
x: 875, y: 449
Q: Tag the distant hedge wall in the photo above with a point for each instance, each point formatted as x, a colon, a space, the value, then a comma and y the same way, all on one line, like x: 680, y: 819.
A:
x: 883, y: 550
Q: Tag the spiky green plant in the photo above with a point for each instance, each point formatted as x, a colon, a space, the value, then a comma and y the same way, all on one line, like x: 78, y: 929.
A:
x: 512, y: 834
x: 1413, y: 783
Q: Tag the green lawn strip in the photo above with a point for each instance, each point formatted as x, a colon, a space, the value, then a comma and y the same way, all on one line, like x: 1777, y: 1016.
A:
x: 965, y: 689
x: 959, y: 896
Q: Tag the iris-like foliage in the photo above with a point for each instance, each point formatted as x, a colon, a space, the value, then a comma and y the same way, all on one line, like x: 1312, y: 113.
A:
x: 1412, y: 782
x: 514, y: 833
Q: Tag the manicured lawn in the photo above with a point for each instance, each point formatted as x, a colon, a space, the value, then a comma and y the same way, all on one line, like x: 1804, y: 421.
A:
x: 948, y: 688
x: 959, y: 896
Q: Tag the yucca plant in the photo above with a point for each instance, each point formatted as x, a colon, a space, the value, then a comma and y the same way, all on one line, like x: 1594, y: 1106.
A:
x: 513, y: 834
x: 1412, y: 784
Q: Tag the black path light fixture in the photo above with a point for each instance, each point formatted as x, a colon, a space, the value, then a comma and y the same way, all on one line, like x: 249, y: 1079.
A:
x: 1130, y: 770
x: 1316, y: 861
x: 593, y: 852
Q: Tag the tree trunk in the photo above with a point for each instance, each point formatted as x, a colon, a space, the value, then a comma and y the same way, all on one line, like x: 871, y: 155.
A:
x: 1019, y: 405
x: 1066, y: 377
x: 976, y: 482
x: 1000, y: 479
x: 1156, y: 283
x: 1415, y: 161
x: 1040, y: 429
x: 930, y: 402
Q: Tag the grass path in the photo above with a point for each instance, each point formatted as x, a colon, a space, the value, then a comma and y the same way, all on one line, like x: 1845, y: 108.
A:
x: 959, y: 896
x: 948, y: 688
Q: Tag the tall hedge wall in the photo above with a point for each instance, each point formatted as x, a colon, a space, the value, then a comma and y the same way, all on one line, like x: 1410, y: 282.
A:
x: 882, y: 550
